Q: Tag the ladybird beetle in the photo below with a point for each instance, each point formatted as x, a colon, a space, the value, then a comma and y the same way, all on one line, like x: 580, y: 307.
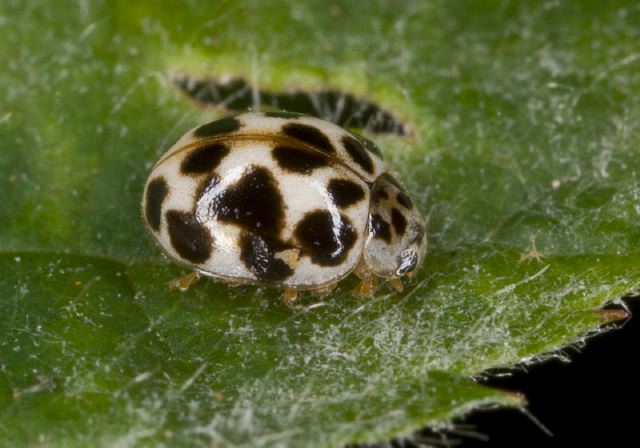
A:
x: 282, y: 199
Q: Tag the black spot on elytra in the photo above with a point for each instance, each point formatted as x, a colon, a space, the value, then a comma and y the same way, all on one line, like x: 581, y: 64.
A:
x: 221, y: 126
x: 404, y: 200
x: 358, y: 153
x: 258, y: 253
x: 157, y: 191
x: 345, y: 192
x: 381, y: 193
x: 299, y: 160
x: 282, y: 114
x: 254, y: 202
x: 203, y: 159
x: 370, y: 146
x: 190, y: 239
x: 380, y: 228
x: 402, y: 196
x: 325, y: 240
x: 398, y: 221
x: 310, y: 135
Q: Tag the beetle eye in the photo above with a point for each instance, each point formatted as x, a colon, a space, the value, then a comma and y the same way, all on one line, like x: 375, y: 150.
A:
x: 408, y: 262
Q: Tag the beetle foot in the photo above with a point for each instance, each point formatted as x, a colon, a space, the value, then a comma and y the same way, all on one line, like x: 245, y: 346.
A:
x: 184, y: 282
x: 324, y: 291
x: 361, y: 270
x: 289, y: 296
x: 365, y: 288
x: 396, y: 283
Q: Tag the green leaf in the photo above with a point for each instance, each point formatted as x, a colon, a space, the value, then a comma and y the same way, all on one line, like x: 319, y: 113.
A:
x: 523, y: 158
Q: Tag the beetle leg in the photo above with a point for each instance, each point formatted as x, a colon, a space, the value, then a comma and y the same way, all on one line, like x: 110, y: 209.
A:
x: 232, y: 284
x: 396, y: 283
x: 368, y: 280
x: 184, y: 282
x: 365, y: 288
x: 324, y: 291
x: 289, y: 296
x: 289, y: 256
x: 361, y: 270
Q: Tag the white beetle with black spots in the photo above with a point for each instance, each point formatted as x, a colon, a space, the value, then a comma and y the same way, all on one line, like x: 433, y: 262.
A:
x: 283, y: 199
